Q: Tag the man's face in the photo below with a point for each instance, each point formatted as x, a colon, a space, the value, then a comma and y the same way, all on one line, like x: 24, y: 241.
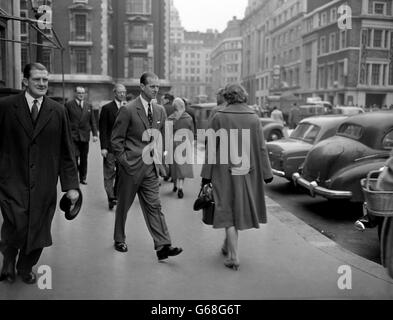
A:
x: 120, y: 93
x: 150, y: 90
x: 80, y: 93
x: 37, y: 84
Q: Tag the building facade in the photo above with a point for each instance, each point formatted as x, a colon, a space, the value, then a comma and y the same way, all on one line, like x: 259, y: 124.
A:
x: 226, y: 56
x: 10, y: 65
x: 349, y: 62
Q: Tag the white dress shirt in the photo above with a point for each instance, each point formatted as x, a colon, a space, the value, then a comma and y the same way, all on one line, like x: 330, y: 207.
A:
x: 30, y: 101
x: 146, y: 105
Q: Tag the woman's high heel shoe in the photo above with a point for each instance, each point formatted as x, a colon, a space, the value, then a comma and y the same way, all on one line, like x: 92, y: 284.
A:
x: 232, y: 264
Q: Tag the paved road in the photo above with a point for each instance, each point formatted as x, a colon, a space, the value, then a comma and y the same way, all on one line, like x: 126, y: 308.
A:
x: 333, y: 219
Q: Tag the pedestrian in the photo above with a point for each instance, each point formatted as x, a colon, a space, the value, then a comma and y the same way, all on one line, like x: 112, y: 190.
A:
x: 35, y: 150
x: 238, y: 191
x: 191, y: 112
x: 167, y: 102
x: 294, y: 116
x: 183, y: 128
x: 110, y: 166
x: 139, y: 167
x: 82, y: 120
x: 277, y: 115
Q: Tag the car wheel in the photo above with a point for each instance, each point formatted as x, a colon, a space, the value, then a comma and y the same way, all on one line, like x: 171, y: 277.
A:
x: 274, y: 135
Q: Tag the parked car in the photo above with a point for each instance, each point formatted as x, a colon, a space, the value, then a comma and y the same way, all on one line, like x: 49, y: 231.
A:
x: 347, y: 110
x: 287, y: 155
x: 334, y: 167
x: 272, y: 130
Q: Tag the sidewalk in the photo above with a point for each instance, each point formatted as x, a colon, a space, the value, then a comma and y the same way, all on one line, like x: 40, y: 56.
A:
x: 284, y: 259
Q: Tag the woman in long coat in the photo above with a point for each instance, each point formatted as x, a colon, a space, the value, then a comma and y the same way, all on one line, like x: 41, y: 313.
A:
x: 182, y: 125
x: 238, y: 186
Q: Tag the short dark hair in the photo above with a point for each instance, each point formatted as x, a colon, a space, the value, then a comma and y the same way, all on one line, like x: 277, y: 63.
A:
x: 169, y: 97
x: 235, y: 93
x: 32, y: 66
x: 146, y: 75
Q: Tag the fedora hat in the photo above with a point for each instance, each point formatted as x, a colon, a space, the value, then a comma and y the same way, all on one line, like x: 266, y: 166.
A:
x: 66, y: 204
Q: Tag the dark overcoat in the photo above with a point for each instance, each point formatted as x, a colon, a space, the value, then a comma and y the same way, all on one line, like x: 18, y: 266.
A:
x: 107, y: 119
x: 82, y: 121
x: 31, y: 161
x: 238, y: 192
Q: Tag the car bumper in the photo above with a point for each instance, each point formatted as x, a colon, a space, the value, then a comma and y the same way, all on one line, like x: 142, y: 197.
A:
x: 314, y: 189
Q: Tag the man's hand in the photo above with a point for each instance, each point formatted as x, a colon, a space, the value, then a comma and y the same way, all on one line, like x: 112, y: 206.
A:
x: 73, y: 195
x: 104, y: 153
x: 95, y: 138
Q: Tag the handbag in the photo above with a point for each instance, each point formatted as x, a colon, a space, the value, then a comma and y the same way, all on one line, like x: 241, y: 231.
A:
x: 205, y: 202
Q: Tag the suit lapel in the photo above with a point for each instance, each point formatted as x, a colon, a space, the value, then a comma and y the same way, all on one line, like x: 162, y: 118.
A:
x: 114, y: 110
x: 43, y: 117
x: 142, y: 113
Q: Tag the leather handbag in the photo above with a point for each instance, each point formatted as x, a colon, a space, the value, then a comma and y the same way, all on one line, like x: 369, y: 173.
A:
x: 205, y: 202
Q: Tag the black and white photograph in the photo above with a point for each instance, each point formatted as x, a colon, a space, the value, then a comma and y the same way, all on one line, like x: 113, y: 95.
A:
x: 217, y: 152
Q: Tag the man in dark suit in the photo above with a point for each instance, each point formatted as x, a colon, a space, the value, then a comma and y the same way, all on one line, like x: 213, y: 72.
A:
x: 139, y: 165
x: 82, y: 120
x: 35, y: 150
x: 107, y: 119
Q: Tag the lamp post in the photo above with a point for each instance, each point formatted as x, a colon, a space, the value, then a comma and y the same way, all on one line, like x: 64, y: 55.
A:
x: 35, y: 5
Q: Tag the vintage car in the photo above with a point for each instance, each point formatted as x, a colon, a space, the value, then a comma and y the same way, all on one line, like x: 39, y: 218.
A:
x: 272, y: 129
x: 287, y: 155
x: 347, y: 110
x: 334, y: 167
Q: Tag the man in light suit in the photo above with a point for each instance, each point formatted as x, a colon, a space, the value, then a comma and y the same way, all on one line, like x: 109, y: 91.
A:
x: 131, y: 136
x: 107, y: 119
x: 82, y: 121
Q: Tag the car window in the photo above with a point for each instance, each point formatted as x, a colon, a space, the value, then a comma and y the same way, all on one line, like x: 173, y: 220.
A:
x: 350, y: 130
x: 305, y: 132
x: 387, y: 142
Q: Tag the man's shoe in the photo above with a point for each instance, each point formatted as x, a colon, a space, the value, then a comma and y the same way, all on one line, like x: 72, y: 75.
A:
x: 83, y: 182
x: 121, y: 246
x: 8, y: 272
x: 364, y: 223
x: 180, y: 194
x: 168, y: 251
x: 28, y: 278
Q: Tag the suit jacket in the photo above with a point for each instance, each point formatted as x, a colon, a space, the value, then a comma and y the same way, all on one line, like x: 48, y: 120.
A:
x: 82, y: 121
x: 128, y: 146
x: 31, y: 161
x: 107, y: 119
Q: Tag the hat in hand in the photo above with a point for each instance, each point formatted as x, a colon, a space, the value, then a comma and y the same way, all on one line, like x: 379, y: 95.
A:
x: 66, y: 204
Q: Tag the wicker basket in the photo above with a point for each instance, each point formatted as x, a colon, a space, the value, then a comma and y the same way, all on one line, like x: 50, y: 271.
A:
x: 379, y: 203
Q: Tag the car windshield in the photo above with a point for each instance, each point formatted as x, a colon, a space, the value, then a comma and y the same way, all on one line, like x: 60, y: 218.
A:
x: 306, y: 132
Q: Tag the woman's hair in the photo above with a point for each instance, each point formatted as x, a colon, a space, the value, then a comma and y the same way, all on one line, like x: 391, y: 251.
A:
x: 179, y: 105
x: 235, y: 93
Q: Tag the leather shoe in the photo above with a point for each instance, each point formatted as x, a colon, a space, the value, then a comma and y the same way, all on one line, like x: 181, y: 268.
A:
x: 168, y: 251
x: 121, y: 246
x: 83, y: 182
x: 28, y: 278
x: 180, y: 194
x: 111, y: 204
x: 8, y: 272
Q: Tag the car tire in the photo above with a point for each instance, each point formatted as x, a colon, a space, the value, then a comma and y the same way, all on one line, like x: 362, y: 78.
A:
x: 274, y: 135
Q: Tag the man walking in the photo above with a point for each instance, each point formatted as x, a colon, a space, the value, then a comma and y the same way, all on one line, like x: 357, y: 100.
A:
x: 35, y: 150
x: 107, y: 119
x: 139, y: 168
x: 82, y: 121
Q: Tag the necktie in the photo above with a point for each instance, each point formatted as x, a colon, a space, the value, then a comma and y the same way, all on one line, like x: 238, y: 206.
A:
x: 150, y: 115
x: 34, y: 111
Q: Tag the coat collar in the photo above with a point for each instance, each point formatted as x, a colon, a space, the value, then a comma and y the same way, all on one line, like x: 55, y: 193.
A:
x: 23, y: 115
x: 142, y: 113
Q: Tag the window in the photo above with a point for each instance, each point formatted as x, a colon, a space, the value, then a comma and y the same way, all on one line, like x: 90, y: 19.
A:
x: 387, y: 142
x: 24, y: 55
x: 350, y: 130
x: 305, y: 132
x: 323, y: 19
x: 24, y: 27
x: 81, y: 60
x: 343, y: 39
x: 80, y: 26
x: 47, y: 58
x: 375, y: 73
x: 139, y: 6
x: 377, y: 39
x: 379, y: 8
x: 322, y: 44
x: 332, y: 42
x: 138, y: 66
x: 333, y: 14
